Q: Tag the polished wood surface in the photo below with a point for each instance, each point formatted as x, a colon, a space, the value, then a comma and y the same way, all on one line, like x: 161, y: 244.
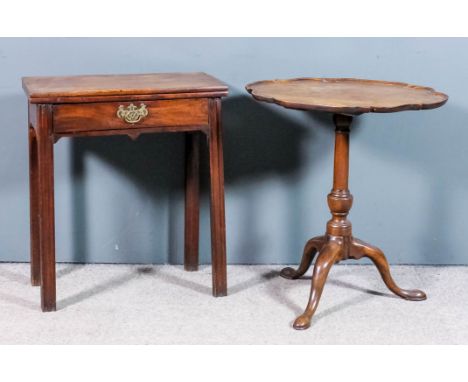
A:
x: 34, y: 208
x: 103, y: 115
x: 195, y: 110
x: 68, y: 88
x: 218, y: 225
x: 45, y: 212
x: 338, y: 242
x: 346, y: 95
x: 192, y: 200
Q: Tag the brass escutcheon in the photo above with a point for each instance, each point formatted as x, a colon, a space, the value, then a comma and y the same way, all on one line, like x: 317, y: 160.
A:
x: 132, y: 114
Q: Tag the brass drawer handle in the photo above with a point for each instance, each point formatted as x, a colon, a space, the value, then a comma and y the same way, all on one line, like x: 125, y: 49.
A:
x: 132, y: 114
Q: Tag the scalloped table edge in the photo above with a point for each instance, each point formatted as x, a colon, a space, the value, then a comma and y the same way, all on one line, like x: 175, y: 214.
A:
x: 348, y: 110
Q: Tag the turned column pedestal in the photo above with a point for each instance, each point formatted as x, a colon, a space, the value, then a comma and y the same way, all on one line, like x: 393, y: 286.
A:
x: 338, y: 242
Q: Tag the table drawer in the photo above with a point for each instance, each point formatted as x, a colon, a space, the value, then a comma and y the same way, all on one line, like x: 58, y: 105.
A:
x: 130, y: 115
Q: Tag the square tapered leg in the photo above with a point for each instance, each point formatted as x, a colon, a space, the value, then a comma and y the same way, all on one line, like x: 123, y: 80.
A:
x: 192, y: 200
x: 45, y: 143
x: 218, y: 225
x: 34, y: 209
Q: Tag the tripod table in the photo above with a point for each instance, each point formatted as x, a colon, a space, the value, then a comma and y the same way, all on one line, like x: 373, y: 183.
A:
x: 345, y: 98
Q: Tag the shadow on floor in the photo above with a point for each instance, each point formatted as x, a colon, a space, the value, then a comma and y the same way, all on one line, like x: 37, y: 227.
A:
x: 232, y: 289
x: 22, y: 302
x: 280, y: 292
x: 165, y: 277
x: 113, y: 283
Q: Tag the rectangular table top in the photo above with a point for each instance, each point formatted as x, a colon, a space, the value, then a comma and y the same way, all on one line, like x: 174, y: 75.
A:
x: 51, y: 89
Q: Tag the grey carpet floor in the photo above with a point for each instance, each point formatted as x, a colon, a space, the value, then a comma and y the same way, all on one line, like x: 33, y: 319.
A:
x: 136, y: 304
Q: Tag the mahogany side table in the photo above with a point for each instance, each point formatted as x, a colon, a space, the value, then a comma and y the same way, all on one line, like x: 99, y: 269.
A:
x: 344, y: 97
x: 124, y: 105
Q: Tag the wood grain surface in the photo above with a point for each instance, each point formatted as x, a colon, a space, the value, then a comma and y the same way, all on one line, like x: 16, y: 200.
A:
x: 188, y: 103
x: 346, y: 95
x: 339, y: 243
x: 102, y: 115
x: 53, y: 89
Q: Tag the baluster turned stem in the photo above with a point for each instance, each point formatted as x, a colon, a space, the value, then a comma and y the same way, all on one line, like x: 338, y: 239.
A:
x: 340, y: 199
x: 341, y: 171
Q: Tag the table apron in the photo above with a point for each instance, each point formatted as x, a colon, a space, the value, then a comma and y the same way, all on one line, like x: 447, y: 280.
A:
x: 133, y: 133
x: 105, y: 119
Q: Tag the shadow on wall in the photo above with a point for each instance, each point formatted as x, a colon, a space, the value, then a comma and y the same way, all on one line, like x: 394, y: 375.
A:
x: 259, y: 142
x: 263, y: 142
x: 152, y: 162
x: 427, y: 141
x: 267, y: 145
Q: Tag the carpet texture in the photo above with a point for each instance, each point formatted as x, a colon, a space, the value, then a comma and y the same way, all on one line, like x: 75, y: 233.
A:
x: 136, y: 304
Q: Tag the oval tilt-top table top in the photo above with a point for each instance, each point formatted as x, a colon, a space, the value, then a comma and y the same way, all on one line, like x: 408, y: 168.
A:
x: 346, y: 95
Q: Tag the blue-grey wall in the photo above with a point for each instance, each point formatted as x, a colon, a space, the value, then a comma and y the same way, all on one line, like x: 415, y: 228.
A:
x: 122, y: 201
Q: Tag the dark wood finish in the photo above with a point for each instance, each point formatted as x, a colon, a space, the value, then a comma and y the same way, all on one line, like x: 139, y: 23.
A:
x: 87, y: 106
x: 34, y: 208
x: 345, y: 98
x: 45, y: 144
x: 192, y: 200
x: 103, y: 116
x: 218, y: 226
x: 68, y: 88
x: 124, y: 98
x: 346, y: 95
x: 131, y: 132
x: 338, y: 243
